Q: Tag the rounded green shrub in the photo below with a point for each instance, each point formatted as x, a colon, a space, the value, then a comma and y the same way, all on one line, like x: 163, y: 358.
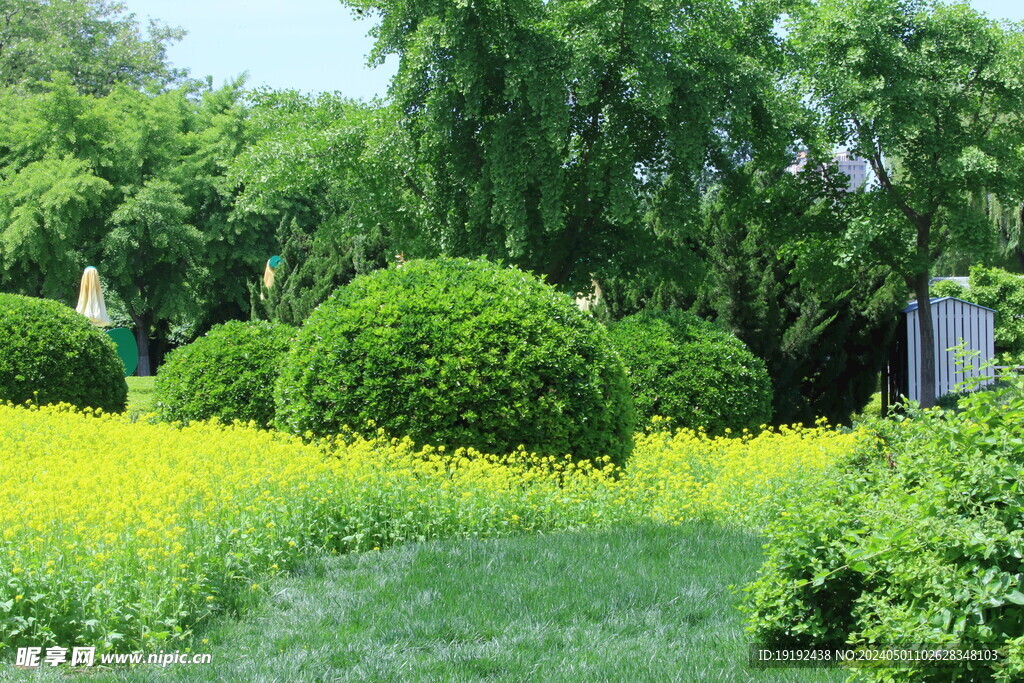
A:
x: 51, y: 354
x: 949, y: 288
x: 229, y: 374
x: 686, y: 369
x: 459, y: 353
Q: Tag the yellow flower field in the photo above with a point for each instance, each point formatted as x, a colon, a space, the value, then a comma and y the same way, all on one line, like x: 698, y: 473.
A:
x: 741, y: 480
x: 124, y: 535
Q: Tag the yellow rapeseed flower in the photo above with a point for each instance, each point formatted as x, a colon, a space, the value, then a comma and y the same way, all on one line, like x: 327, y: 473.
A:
x: 155, y: 520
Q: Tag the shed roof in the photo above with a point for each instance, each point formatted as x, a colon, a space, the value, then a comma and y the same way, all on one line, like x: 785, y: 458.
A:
x: 936, y: 299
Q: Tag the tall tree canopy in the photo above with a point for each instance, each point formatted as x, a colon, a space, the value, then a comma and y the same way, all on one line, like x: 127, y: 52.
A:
x: 931, y: 95
x: 543, y: 129
x: 97, y: 42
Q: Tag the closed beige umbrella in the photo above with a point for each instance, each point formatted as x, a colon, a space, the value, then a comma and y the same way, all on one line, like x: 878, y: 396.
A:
x: 90, y: 299
x: 268, y: 273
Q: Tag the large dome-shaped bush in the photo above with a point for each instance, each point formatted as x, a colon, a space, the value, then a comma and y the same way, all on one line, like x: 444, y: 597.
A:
x: 686, y: 369
x: 459, y: 353
x: 51, y: 354
x: 229, y: 373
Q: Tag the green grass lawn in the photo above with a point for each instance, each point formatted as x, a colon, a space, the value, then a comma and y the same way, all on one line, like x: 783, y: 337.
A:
x: 140, y: 394
x: 637, y: 604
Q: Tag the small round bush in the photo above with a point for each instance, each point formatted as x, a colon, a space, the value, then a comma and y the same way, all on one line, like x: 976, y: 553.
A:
x: 688, y: 370
x: 229, y: 373
x: 51, y: 354
x: 459, y: 353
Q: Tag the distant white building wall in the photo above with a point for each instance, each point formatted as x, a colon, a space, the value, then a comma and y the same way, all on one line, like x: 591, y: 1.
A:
x: 855, y: 168
x: 799, y: 163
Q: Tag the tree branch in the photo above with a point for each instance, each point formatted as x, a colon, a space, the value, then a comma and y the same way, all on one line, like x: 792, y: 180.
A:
x: 877, y: 165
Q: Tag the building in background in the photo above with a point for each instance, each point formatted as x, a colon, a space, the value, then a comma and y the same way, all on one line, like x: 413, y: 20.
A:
x: 854, y: 168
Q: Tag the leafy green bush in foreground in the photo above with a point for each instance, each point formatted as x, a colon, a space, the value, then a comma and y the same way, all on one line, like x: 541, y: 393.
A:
x: 51, y: 354
x: 919, y: 541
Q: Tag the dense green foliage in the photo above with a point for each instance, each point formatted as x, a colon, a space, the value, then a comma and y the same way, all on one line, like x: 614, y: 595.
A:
x: 459, y: 353
x: 229, y: 373
x: 51, y: 354
x: 1001, y: 291
x: 95, y: 41
x: 951, y: 288
x: 917, y: 539
x: 133, y: 184
x: 770, y: 273
x: 543, y: 132
x: 576, y: 141
x: 686, y: 369
x: 313, y: 265
x: 821, y: 324
x: 336, y: 176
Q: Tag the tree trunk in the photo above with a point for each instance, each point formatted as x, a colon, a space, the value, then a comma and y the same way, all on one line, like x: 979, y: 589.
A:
x: 142, y: 339
x: 927, y: 330
x: 885, y: 390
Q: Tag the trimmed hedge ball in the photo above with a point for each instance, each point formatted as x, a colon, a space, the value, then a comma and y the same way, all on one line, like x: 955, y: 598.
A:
x: 686, y: 369
x: 51, y: 354
x: 229, y: 374
x: 459, y: 353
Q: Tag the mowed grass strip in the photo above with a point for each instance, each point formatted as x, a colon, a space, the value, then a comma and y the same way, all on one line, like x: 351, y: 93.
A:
x: 648, y: 603
x: 140, y: 394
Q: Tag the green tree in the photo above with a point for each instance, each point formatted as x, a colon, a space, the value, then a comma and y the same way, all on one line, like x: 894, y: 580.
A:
x: 338, y: 178
x: 929, y: 94
x: 45, y: 209
x: 823, y: 326
x: 98, y: 43
x: 150, y: 257
x: 1007, y: 220
x: 236, y: 244
x: 544, y: 128
x: 1001, y: 291
x: 52, y: 160
x: 134, y: 184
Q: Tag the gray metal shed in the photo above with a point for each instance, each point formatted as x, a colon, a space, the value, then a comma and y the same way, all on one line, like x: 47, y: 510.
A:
x: 955, y: 320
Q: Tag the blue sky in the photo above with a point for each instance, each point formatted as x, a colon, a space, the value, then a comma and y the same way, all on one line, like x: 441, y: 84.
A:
x: 310, y: 45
